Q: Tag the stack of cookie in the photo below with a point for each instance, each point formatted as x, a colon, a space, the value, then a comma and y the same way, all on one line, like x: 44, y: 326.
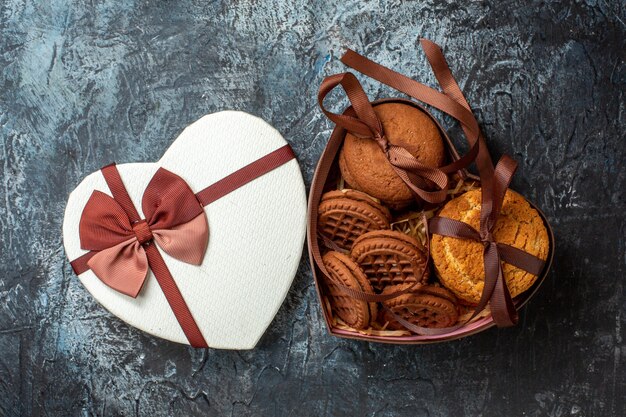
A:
x: 364, y: 255
x: 379, y: 277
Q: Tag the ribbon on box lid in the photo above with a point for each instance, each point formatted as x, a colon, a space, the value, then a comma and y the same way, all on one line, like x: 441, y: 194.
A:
x: 122, y: 246
x: 361, y: 120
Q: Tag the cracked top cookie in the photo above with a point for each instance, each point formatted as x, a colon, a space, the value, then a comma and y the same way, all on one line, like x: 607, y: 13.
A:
x: 459, y: 262
x: 364, y: 166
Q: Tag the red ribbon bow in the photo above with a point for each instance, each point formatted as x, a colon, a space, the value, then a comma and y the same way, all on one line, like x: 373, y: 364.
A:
x: 175, y: 221
x: 120, y: 242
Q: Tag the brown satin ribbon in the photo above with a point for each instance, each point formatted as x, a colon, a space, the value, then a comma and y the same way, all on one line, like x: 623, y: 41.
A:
x: 120, y: 243
x: 361, y: 121
x: 495, y: 291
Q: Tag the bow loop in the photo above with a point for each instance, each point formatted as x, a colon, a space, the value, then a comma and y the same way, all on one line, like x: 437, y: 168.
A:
x: 103, y: 223
x: 123, y: 267
x: 362, y: 120
x: 168, y: 201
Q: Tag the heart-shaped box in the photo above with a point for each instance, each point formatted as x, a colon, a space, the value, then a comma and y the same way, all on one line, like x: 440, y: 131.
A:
x: 256, y: 234
x: 496, y: 306
x: 324, y: 181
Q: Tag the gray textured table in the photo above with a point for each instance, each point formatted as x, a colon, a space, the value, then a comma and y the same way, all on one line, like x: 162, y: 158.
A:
x: 84, y: 83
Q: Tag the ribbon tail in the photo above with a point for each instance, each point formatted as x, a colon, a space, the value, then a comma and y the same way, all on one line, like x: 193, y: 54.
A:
x: 428, y: 196
x: 415, y: 173
x: 521, y: 259
x: 502, y: 308
x: 122, y: 267
x: 502, y: 176
x: 175, y: 298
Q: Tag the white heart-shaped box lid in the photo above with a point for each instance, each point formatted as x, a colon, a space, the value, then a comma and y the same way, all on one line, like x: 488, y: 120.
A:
x: 256, y: 235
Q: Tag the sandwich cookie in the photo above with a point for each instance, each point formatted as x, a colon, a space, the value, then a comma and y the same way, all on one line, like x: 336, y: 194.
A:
x: 344, y: 272
x: 428, y: 306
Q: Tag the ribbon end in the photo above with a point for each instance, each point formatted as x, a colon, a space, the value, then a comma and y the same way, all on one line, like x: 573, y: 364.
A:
x: 132, y: 294
x: 428, y: 43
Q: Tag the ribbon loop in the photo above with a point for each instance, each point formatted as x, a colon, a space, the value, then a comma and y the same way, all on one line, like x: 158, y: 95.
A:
x: 366, y: 124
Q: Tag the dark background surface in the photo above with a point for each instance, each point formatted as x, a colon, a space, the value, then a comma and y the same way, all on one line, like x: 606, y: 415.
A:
x: 84, y: 83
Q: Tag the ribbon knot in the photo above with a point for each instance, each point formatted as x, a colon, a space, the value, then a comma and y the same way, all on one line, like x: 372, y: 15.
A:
x: 383, y: 142
x: 142, y: 231
x: 486, y: 237
x: 428, y: 184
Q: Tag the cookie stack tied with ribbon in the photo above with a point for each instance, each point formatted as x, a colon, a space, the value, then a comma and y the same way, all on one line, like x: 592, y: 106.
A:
x: 364, y: 166
x: 411, y: 247
x: 185, y: 248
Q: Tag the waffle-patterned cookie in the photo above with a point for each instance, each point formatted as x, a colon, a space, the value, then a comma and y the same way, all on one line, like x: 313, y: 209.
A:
x: 390, y: 258
x: 344, y: 215
x: 343, y: 271
x: 427, y: 306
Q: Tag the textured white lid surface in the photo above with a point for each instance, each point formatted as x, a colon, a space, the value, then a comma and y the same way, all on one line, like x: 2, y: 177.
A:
x: 256, y: 235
